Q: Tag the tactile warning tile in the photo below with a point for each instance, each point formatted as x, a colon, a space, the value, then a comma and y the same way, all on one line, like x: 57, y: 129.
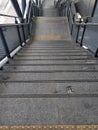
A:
x: 44, y: 38
x: 49, y: 21
x: 51, y: 127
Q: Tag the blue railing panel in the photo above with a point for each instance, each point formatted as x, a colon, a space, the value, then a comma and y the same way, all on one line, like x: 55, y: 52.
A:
x: 70, y: 19
x: 74, y: 32
x: 85, y: 7
x: 91, y: 38
x: 26, y: 31
x: 21, y: 34
x: 11, y: 36
x: 2, y: 49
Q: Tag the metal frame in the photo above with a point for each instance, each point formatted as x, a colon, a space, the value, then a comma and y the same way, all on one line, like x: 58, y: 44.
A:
x: 16, y: 25
x: 80, y: 23
x: 17, y: 8
x: 23, y: 6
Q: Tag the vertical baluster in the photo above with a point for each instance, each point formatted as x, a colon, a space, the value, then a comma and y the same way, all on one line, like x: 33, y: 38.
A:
x: 18, y: 32
x: 77, y: 35
x: 81, y: 42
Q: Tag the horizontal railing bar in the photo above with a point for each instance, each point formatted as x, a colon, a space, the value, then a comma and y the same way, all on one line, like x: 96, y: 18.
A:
x: 10, y: 16
x: 86, y: 24
x: 8, y: 25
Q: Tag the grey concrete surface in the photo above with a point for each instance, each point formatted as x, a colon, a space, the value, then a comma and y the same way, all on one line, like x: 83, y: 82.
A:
x: 53, y: 62
x: 51, y: 68
x: 49, y: 88
x: 54, y: 76
x: 49, y: 111
x: 50, y: 81
x: 48, y: 4
x: 51, y: 27
x: 49, y: 12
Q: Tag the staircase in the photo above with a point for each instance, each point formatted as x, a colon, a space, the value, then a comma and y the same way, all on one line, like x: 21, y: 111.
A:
x: 51, y: 81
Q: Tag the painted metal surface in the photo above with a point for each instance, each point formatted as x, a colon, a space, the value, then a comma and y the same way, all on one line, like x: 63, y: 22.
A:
x: 23, y: 6
x: 95, y: 17
x: 85, y: 7
x: 17, y: 8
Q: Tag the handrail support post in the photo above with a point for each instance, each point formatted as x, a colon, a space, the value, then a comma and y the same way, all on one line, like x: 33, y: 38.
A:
x: 81, y: 43
x: 18, y: 32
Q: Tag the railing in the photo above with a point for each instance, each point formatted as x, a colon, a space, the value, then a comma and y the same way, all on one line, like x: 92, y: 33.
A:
x: 37, y: 10
x: 14, y: 36
x: 82, y: 31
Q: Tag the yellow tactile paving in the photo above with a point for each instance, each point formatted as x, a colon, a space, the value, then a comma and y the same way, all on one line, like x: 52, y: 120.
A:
x: 51, y: 127
x: 43, y: 38
x: 49, y: 20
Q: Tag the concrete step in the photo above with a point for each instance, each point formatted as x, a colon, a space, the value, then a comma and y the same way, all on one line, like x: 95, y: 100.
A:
x: 53, y: 51
x: 51, y: 31
x: 43, y: 111
x: 46, y: 68
x: 50, y: 12
x: 74, y: 89
x: 49, y: 77
x: 54, y: 62
x: 52, y: 54
x: 53, y: 57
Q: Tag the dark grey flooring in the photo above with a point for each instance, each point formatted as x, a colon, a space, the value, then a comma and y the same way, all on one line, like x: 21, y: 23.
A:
x: 50, y: 81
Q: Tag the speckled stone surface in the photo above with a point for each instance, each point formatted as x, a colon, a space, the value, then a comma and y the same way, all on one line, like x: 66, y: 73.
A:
x: 50, y: 81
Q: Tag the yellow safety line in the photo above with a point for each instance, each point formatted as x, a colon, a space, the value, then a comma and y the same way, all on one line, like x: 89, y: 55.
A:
x: 51, y: 127
x: 49, y: 21
x: 46, y: 37
x: 42, y: 20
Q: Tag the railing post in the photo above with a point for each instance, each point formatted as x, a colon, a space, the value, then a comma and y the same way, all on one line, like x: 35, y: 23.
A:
x: 83, y: 35
x: 18, y: 32
x: 23, y: 33
x: 96, y: 54
x: 68, y: 10
x: 78, y: 31
x: 33, y: 11
x: 28, y: 28
x: 72, y: 23
x: 5, y: 43
x: 55, y: 3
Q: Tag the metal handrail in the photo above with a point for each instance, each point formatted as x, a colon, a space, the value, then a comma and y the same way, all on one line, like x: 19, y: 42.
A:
x: 11, y: 16
x: 30, y: 8
x: 82, y: 23
x: 73, y: 11
x: 86, y: 24
x: 9, y: 25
